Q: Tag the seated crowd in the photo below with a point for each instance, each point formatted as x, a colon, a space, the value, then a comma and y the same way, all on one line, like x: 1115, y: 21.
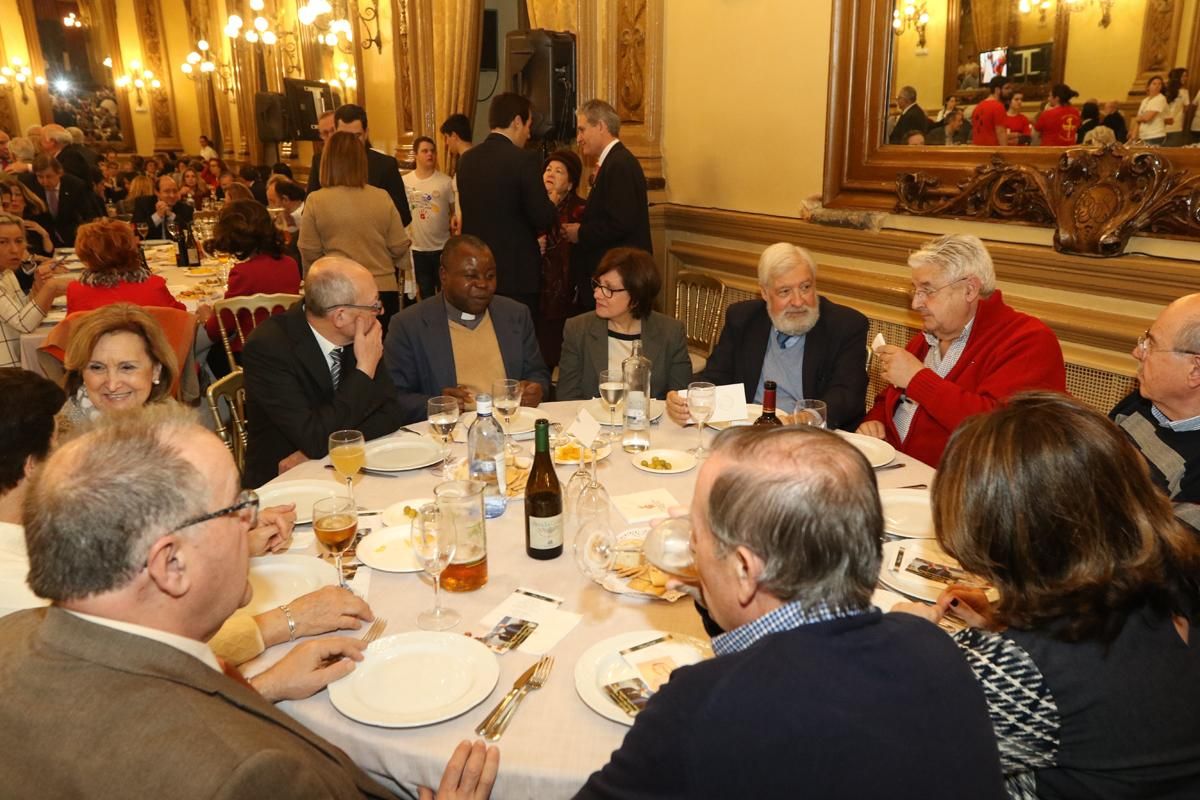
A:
x: 138, y: 527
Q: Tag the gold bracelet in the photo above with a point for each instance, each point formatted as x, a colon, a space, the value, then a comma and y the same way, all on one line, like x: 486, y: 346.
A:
x: 287, y: 612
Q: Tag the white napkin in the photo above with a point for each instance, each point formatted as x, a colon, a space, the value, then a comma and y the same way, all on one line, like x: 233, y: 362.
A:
x: 644, y: 506
x: 878, y: 342
x: 536, y: 606
x: 585, y: 428
x: 730, y: 403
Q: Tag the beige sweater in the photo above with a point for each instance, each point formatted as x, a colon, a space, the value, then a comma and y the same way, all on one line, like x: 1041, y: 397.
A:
x: 360, y: 224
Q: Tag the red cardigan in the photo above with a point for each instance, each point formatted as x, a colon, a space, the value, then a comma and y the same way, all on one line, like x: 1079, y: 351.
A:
x: 262, y: 274
x: 1007, y: 352
x: 150, y: 292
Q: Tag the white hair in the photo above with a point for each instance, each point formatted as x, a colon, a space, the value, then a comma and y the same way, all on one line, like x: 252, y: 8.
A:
x: 782, y: 257
x: 958, y: 256
x: 59, y: 136
x: 76, y: 134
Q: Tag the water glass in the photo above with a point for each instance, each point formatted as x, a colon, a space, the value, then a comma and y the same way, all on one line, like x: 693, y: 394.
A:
x: 702, y: 402
x: 612, y: 392
x: 810, y: 412
x: 443, y: 419
x: 433, y: 543
x: 506, y: 401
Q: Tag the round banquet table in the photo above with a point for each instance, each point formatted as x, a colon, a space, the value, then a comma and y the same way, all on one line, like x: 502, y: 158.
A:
x: 555, y: 741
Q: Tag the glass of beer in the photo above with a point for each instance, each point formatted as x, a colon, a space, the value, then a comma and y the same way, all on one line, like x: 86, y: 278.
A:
x: 433, y: 543
x: 460, y: 504
x: 335, y: 521
x: 348, y: 453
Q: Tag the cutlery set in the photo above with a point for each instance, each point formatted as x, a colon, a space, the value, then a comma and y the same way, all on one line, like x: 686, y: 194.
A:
x: 534, y: 678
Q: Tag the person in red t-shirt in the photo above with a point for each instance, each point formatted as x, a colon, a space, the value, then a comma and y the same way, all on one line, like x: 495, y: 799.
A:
x: 987, y: 120
x: 1019, y: 129
x: 1059, y: 124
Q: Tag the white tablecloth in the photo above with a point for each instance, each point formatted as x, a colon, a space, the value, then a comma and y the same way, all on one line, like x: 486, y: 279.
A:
x: 555, y: 741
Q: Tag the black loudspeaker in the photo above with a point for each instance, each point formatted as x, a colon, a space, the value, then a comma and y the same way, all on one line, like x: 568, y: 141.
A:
x: 270, y: 117
x: 489, y: 49
x: 306, y: 102
x: 541, y: 67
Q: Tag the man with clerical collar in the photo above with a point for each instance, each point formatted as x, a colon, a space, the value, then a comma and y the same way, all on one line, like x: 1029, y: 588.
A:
x: 1162, y: 416
x: 459, y: 341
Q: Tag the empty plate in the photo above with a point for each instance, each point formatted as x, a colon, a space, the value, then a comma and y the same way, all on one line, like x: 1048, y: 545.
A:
x: 877, y: 451
x: 906, y: 512
x: 302, y: 493
x: 400, y: 453
x: 282, y: 578
x: 599, y: 409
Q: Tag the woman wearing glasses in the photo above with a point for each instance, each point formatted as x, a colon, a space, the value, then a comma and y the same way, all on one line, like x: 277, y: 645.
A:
x: 624, y: 286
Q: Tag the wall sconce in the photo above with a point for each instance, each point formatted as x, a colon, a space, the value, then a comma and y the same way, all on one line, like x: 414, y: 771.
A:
x: 1043, y: 7
x: 1105, y: 8
x: 337, y: 32
x: 72, y: 21
x: 368, y: 16
x: 259, y: 30
x: 915, y: 17
x: 199, y: 65
x: 19, y: 73
x: 138, y: 79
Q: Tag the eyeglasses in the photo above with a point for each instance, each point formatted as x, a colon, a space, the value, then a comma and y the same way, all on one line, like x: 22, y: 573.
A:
x: 246, y: 508
x: 607, y: 291
x: 928, y: 293
x: 375, y: 308
x: 1145, y: 346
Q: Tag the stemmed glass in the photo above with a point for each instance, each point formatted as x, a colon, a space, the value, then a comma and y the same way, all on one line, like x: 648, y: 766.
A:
x: 143, y: 229
x: 580, y: 479
x: 443, y: 418
x: 701, y: 401
x: 612, y: 391
x: 172, y: 229
x: 348, y: 453
x: 506, y: 400
x: 433, y: 542
x: 595, y: 542
x: 335, y: 522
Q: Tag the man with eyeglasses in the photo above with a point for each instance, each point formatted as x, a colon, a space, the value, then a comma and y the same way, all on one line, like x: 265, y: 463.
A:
x: 974, y: 352
x: 316, y: 369
x: 116, y: 674
x: 1162, y: 416
x: 461, y: 340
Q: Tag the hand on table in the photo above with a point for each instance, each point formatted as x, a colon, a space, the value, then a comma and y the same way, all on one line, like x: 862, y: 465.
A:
x: 469, y: 775
x: 677, y: 408
x: 368, y: 344
x: 531, y: 393
x: 898, y: 365
x: 873, y: 428
x: 306, y: 670
x: 464, y: 396
x: 274, y: 530
x: 968, y: 604
x: 329, y: 608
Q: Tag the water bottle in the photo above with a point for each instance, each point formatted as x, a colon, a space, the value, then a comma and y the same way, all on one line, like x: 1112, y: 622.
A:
x: 486, y: 457
x: 635, y: 371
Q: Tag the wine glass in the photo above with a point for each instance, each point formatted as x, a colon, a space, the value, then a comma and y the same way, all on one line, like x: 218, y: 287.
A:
x: 612, y: 391
x: 701, y: 401
x: 348, y: 453
x: 580, y: 479
x: 172, y: 228
x: 810, y: 412
x: 433, y: 543
x: 443, y: 418
x: 506, y: 400
x: 335, y: 522
x: 143, y: 229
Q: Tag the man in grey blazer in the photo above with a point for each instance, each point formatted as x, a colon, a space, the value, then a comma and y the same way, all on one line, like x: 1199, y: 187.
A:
x: 111, y: 692
x: 495, y: 337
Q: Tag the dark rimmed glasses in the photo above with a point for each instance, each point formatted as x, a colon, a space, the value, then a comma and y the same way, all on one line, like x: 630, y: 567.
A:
x: 246, y: 508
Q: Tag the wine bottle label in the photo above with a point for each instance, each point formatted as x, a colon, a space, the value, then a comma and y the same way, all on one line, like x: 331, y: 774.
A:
x: 546, y: 532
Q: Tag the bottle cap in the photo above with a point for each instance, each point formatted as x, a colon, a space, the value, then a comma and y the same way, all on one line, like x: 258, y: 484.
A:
x: 483, y: 404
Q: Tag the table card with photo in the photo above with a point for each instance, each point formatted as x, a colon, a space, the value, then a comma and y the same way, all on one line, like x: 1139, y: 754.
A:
x: 542, y: 609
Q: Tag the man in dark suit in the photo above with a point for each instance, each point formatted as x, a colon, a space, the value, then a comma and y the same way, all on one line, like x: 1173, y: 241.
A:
x: 316, y: 369
x: 812, y: 348
x: 460, y: 340
x: 912, y: 118
x: 382, y: 170
x: 811, y: 683
x: 118, y: 667
x: 617, y: 212
x: 252, y: 179
x: 164, y: 207
x: 70, y: 201
x: 58, y: 142
x: 503, y: 200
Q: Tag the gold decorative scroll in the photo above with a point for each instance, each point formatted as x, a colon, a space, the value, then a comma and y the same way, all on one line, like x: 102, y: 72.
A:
x: 1160, y: 41
x: 631, y: 60
x: 554, y: 15
x: 154, y: 57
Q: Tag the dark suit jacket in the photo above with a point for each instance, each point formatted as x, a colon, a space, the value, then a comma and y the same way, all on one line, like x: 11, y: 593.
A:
x: 75, y: 160
x: 383, y: 171
x: 504, y: 203
x: 835, y: 357
x: 77, y: 204
x: 421, y: 360
x: 139, y: 718
x: 913, y: 119
x: 290, y: 400
x: 617, y: 215
x: 143, y: 210
x: 585, y: 353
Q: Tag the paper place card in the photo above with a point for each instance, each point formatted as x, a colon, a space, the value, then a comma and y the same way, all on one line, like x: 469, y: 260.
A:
x: 730, y: 403
x: 584, y: 428
x: 645, y: 506
x: 540, y: 609
x: 878, y: 342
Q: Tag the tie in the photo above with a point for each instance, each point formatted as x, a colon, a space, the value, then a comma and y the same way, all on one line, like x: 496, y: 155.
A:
x: 335, y: 370
x: 786, y: 340
x: 234, y: 674
x: 52, y: 201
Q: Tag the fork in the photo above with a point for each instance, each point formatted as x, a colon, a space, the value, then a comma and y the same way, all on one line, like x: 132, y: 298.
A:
x: 375, y: 631
x: 538, y: 680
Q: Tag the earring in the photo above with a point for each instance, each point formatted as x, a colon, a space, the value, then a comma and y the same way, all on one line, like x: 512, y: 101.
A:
x: 157, y: 381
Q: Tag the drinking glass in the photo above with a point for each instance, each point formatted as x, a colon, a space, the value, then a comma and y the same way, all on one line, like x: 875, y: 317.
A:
x: 701, y: 401
x: 580, y: 479
x: 143, y: 229
x: 810, y: 412
x: 433, y: 542
x: 612, y: 391
x: 506, y: 400
x: 348, y: 453
x: 443, y: 418
x: 172, y: 229
x: 335, y: 522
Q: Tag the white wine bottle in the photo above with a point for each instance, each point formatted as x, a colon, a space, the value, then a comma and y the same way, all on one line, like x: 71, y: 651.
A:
x: 543, y: 501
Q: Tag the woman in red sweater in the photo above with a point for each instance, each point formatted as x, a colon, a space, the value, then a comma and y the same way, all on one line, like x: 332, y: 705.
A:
x: 115, y: 271
x: 245, y: 228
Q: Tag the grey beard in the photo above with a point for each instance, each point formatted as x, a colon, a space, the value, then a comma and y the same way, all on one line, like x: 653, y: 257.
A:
x: 797, y: 328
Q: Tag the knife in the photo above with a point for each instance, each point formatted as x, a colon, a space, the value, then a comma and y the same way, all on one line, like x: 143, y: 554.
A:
x: 508, y: 698
x: 375, y: 472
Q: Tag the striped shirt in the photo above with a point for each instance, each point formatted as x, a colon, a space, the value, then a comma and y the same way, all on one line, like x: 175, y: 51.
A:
x: 18, y: 315
x: 1178, y: 425
x: 940, y: 364
x: 785, y: 618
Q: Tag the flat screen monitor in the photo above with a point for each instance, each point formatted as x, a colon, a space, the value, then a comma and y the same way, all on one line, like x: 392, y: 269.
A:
x: 992, y: 63
x: 306, y: 102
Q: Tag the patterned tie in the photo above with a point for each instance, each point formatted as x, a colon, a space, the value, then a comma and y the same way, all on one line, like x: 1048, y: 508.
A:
x: 335, y: 370
x: 52, y: 201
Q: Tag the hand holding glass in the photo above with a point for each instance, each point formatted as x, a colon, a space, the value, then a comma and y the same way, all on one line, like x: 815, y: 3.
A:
x: 702, y: 402
x: 335, y: 522
x: 434, y: 543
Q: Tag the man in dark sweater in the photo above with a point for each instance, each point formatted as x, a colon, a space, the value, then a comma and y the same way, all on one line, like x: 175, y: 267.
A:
x: 1163, y: 416
x: 813, y: 692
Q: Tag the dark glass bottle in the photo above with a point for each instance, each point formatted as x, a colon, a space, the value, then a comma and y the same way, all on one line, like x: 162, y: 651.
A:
x: 768, y: 413
x: 193, y: 252
x: 180, y: 239
x: 543, y: 501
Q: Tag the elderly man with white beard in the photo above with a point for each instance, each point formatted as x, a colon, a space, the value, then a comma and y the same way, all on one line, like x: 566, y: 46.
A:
x: 813, y: 349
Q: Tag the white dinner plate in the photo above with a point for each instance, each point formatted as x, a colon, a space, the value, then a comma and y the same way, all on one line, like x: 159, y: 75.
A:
x: 886, y: 598
x: 680, y: 461
x: 603, y: 664
x: 15, y: 593
x: 907, y: 512
x: 602, y: 453
x: 522, y: 424
x: 394, y: 514
x: 753, y: 412
x: 201, y: 272
x: 401, y: 453
x: 388, y: 549
x: 302, y: 493
x: 877, y: 451
x: 910, y: 584
x: 599, y: 409
x: 281, y: 579
x: 417, y: 678
x: 55, y: 315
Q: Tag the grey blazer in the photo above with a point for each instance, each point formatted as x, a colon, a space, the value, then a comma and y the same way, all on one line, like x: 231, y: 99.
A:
x: 585, y: 353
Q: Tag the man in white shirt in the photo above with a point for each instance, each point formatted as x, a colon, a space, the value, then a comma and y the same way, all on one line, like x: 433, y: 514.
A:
x: 431, y: 198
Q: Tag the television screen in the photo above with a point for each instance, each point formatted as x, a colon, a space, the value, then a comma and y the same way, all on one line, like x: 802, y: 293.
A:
x: 992, y: 63
x: 306, y: 101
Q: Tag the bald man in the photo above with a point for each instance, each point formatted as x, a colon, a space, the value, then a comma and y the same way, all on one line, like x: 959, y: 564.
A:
x: 316, y: 369
x: 1162, y: 416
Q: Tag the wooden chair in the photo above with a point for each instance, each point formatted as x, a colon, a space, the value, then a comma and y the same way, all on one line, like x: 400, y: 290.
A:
x: 699, y: 303
x: 244, y: 313
x: 227, y: 402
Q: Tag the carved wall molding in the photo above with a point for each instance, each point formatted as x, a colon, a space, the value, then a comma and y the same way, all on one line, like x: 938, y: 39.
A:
x: 631, y: 60
x: 154, y: 57
x: 1160, y: 40
x: 8, y: 104
x: 1097, y: 197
